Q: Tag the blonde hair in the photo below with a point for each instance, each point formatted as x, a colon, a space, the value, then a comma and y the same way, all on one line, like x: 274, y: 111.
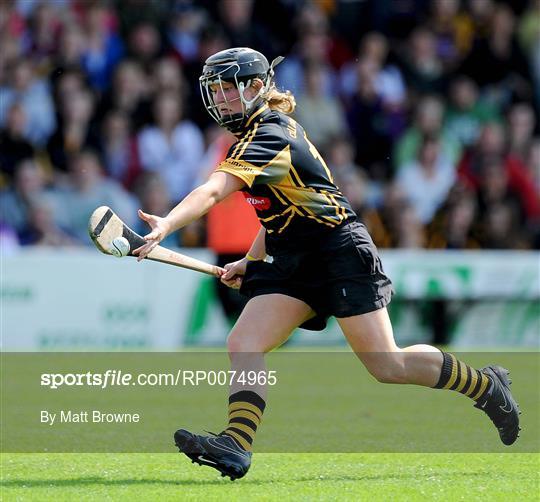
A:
x: 281, y: 101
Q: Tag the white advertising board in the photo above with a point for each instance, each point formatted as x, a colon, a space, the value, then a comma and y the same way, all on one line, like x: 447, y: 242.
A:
x: 81, y: 300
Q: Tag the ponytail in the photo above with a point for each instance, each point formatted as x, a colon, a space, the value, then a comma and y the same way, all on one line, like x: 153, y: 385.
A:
x: 281, y: 101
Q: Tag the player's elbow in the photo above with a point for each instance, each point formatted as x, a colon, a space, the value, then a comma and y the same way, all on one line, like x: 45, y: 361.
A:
x: 214, y: 197
x: 215, y: 191
x: 209, y: 196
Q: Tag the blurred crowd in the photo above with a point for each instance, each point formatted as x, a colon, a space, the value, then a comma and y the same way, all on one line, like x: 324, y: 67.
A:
x: 426, y: 111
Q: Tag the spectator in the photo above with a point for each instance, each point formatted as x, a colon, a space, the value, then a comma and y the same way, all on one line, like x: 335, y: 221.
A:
x: 28, y: 184
x: 104, y: 48
x: 129, y: 94
x: 11, y: 52
x: 404, y: 229
x: 388, y: 81
x: 321, y: 116
x: 144, y: 45
x: 494, y: 189
x: 428, y: 121
x: 409, y: 230
x: 185, y: 31
x: 533, y: 162
x: 422, y: 67
x: 154, y: 198
x: 427, y: 181
x: 75, y: 131
x: 71, y: 47
x: 529, y: 38
x: 131, y: 13
x: 364, y: 194
x: 167, y: 77
x: 368, y: 122
x: 521, y: 122
x: 236, y: 17
x: 467, y: 112
x: 448, y: 69
x: 35, y: 96
x: 14, y: 148
x: 453, y: 226
x: 42, y: 38
x: 497, y: 63
x: 529, y: 27
x: 87, y: 189
x: 12, y: 21
x: 311, y: 49
x: 172, y: 147
x: 480, y: 12
x: 313, y: 18
x: 499, y: 229
x: 535, y: 65
x: 67, y: 82
x: 491, y: 143
x: 119, y: 149
x: 42, y: 229
x: 397, y: 19
x: 453, y: 30
x: 349, y: 177
x: 212, y: 40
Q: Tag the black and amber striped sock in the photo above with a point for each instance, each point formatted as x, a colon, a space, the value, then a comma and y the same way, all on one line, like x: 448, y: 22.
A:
x: 245, y: 413
x: 458, y: 376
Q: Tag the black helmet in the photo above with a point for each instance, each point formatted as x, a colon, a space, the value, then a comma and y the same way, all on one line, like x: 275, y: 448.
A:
x: 238, y: 66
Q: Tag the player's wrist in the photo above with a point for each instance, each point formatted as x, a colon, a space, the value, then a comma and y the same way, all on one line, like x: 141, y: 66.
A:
x: 168, y: 226
x: 250, y: 257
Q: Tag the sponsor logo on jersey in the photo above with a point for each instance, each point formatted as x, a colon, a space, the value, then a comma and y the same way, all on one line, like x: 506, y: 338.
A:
x: 259, y: 203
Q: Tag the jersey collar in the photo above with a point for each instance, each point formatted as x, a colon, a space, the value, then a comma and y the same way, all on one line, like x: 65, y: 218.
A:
x: 260, y: 112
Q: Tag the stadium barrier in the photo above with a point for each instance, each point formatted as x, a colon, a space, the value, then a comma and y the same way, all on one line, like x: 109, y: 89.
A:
x: 79, y: 300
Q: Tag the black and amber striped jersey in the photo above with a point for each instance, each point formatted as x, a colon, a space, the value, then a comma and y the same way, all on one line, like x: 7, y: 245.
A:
x: 287, y: 181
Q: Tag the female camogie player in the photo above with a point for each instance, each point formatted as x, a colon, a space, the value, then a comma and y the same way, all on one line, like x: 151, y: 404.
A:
x: 324, y: 262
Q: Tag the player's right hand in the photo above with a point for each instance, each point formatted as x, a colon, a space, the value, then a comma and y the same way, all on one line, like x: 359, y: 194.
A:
x: 234, y: 272
x: 160, y: 229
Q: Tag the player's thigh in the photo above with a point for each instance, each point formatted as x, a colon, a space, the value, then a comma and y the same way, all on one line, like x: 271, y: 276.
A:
x: 371, y: 338
x: 266, y: 322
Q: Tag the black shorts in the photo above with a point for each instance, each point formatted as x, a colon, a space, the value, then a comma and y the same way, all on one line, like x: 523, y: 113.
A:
x: 340, y: 275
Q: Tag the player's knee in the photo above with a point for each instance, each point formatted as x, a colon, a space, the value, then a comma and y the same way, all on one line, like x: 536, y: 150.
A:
x: 234, y: 344
x: 237, y: 343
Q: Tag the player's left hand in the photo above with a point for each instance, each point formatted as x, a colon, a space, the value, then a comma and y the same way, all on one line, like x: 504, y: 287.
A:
x: 234, y: 273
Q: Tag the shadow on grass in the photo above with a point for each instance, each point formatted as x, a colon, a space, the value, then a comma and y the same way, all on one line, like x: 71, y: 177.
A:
x: 36, y: 483
x: 77, y: 482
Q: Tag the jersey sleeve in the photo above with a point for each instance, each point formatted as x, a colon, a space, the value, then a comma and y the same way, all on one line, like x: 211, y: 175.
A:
x: 261, y: 157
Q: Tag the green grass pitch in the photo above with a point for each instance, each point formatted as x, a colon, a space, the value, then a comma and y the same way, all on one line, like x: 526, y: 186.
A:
x: 371, y: 476
x: 499, y: 473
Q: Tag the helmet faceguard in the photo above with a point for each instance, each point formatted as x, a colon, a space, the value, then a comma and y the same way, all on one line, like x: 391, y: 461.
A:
x: 238, y: 66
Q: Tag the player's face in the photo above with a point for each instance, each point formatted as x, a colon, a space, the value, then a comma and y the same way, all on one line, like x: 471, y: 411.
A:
x: 227, y: 97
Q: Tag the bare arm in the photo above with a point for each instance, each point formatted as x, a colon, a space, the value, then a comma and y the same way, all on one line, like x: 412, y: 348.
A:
x: 257, y: 251
x: 194, y: 205
x: 234, y: 272
x: 202, y: 199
